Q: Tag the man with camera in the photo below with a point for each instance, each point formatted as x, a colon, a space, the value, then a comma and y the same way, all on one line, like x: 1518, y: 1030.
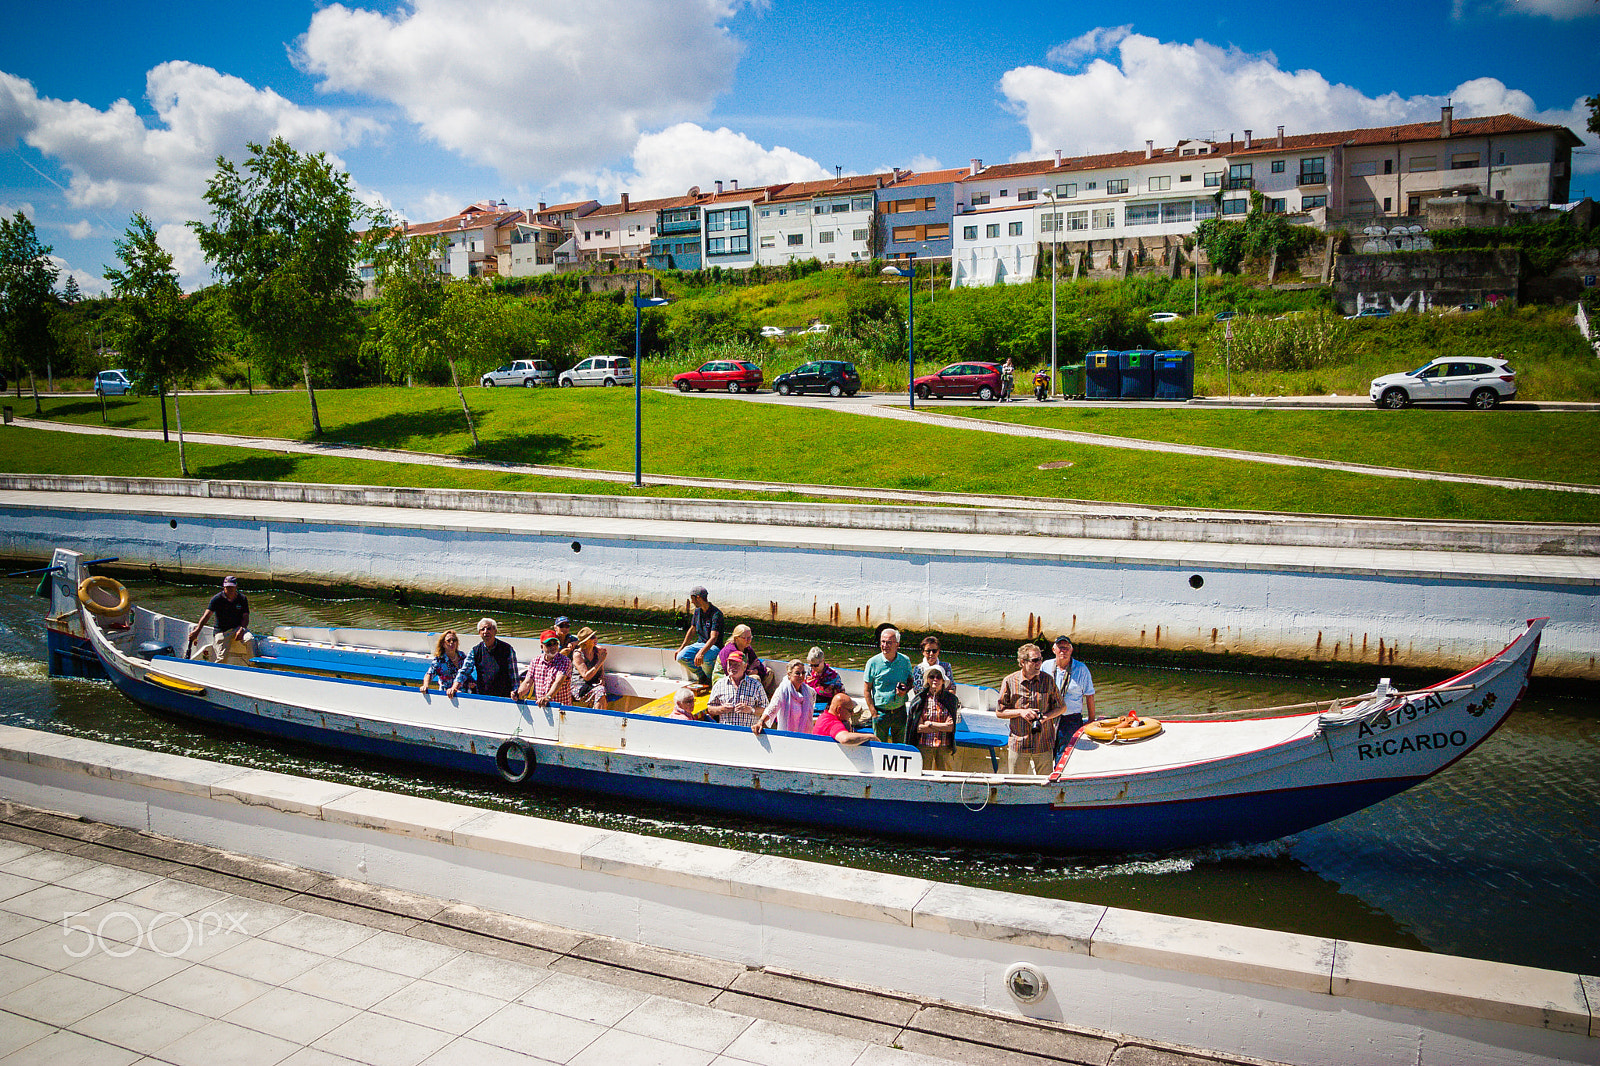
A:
x: 888, y: 676
x: 1030, y: 699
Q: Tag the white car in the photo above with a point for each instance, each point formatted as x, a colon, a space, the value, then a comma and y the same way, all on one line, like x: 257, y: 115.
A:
x: 525, y: 372
x: 599, y: 370
x: 817, y: 327
x: 773, y: 331
x: 112, y: 383
x: 1165, y: 316
x: 1479, y: 382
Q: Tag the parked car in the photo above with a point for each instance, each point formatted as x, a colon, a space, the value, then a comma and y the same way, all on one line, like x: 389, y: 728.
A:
x: 526, y: 372
x: 832, y: 376
x: 730, y: 374
x: 1165, y: 316
x: 1479, y: 382
x: 1369, y: 312
x: 961, y: 379
x: 112, y: 383
x: 599, y: 370
x: 817, y: 327
x: 773, y: 331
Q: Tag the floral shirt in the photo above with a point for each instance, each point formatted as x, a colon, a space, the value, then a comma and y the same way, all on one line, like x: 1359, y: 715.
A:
x: 542, y: 674
x: 825, y: 681
x: 726, y: 693
x: 919, y: 675
x: 445, y: 669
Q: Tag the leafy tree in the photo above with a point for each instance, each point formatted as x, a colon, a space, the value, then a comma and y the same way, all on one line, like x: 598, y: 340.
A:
x: 27, y: 301
x: 158, y: 335
x: 280, y: 240
x: 702, y: 323
x: 1594, y: 113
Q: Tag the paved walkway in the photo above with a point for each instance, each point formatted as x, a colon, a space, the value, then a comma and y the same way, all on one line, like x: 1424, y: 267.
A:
x: 119, y: 947
x: 923, y: 415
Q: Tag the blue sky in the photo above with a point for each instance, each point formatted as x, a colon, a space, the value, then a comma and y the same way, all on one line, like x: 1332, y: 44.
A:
x: 432, y: 104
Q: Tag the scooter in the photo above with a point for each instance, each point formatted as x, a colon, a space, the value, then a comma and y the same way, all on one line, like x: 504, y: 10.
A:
x: 1041, y: 385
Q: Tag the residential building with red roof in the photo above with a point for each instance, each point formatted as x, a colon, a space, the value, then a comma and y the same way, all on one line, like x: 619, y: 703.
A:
x: 832, y: 220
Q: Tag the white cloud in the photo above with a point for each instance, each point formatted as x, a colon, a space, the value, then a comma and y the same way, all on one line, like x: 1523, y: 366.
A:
x: 1560, y: 10
x: 88, y: 284
x: 1096, y: 42
x: 669, y: 162
x: 79, y: 230
x: 540, y: 92
x: 923, y: 162
x: 10, y: 210
x: 1165, y: 92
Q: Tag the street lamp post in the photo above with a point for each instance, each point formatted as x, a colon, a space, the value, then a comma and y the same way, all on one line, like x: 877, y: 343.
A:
x: 1055, y: 238
x: 639, y: 304
x: 911, y: 326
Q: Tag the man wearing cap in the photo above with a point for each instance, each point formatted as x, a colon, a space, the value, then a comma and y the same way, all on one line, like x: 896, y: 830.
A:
x: 230, y: 640
x: 703, y: 639
x: 737, y: 697
x: 549, y: 676
x: 563, y: 628
x: 491, y: 666
x: 1077, y: 692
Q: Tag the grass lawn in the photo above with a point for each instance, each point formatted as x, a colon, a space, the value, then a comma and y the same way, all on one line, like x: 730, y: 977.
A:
x: 706, y: 437
x: 1538, y: 445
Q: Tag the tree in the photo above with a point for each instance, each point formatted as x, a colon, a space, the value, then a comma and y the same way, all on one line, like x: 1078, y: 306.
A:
x: 27, y: 301
x: 158, y: 336
x: 1594, y: 113
x: 280, y: 241
x: 423, y: 316
x: 70, y: 293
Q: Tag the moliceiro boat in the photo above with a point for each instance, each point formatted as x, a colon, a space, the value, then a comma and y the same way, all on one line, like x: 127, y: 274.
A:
x: 1193, y: 783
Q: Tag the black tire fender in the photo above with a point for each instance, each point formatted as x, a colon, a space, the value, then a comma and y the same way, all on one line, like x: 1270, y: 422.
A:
x: 502, y: 761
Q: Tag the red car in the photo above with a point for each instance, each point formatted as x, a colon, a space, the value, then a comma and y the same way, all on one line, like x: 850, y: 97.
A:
x: 962, y: 379
x: 730, y: 374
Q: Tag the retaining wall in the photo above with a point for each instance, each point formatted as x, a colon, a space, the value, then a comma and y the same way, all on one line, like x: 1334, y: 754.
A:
x: 1260, y: 993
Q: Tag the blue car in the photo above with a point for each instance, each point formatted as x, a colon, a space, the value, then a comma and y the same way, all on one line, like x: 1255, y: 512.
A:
x: 113, y: 383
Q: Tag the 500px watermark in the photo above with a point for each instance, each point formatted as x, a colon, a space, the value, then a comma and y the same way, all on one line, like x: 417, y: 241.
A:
x: 120, y: 933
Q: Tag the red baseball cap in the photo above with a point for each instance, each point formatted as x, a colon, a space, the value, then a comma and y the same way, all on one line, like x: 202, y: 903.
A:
x: 549, y: 635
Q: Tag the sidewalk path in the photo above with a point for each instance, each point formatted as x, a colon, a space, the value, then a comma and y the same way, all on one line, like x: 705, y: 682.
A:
x: 253, y: 963
x: 924, y: 416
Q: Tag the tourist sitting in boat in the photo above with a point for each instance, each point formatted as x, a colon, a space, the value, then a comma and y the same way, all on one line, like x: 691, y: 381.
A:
x: 563, y: 628
x: 931, y: 719
x: 822, y: 679
x: 1077, y: 692
x: 888, y: 683
x: 838, y: 722
x: 447, y: 661
x: 930, y: 659
x: 549, y: 676
x: 791, y: 706
x: 588, y: 669
x: 683, y: 704
x: 703, y: 639
x: 741, y: 642
x: 231, y: 641
x: 491, y: 667
x: 737, y: 697
x: 1029, y: 699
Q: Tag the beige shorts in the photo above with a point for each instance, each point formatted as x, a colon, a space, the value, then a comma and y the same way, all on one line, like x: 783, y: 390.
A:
x: 223, y: 649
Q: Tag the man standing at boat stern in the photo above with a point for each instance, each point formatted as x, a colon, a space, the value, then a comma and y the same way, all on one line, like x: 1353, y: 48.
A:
x: 1077, y: 692
x: 703, y: 639
x: 230, y: 639
x: 888, y: 677
x: 491, y: 666
x: 1030, y: 700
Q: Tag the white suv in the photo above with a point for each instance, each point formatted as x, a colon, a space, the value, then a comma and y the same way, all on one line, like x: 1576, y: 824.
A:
x: 599, y: 370
x: 1479, y: 382
x: 527, y: 372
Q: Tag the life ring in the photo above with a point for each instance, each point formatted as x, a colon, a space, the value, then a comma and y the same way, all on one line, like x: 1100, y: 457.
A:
x: 90, y: 585
x: 1120, y: 730
x: 502, y: 761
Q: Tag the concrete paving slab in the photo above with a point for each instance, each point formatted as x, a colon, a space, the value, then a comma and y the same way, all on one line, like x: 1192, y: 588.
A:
x: 64, y: 1048
x: 349, y: 983
x: 139, y: 1024
x: 449, y: 1010
x: 382, y: 1041
x: 579, y: 997
x: 649, y: 984
x: 403, y: 955
x: 697, y: 1026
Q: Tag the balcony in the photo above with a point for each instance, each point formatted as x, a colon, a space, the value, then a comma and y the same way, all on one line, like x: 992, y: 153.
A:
x: 678, y: 225
x: 1312, y: 179
x: 1239, y: 183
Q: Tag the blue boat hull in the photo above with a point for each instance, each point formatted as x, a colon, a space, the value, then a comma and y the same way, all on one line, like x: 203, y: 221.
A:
x: 72, y: 656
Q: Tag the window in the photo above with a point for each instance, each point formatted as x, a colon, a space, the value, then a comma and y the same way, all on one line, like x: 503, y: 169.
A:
x: 1464, y: 161
x: 906, y: 233
x: 1235, y: 207
x: 1014, y: 229
x: 1050, y: 223
x: 940, y: 232
x: 992, y: 230
x: 1185, y: 177
x: 841, y: 207
x: 1176, y: 211
x: 1502, y: 160
x: 1388, y: 166
x: 861, y: 203
x: 727, y: 245
x: 858, y: 234
x: 1077, y: 220
x: 1116, y: 186
x: 767, y: 240
x: 1213, y: 180
x: 1105, y: 218
x: 1027, y: 194
x: 766, y: 212
x: 1363, y: 170
x: 1091, y: 185
x: 1277, y: 166
x: 1205, y: 209
x: 1159, y: 184
x: 1387, y: 205
x: 1067, y: 191
x: 1275, y: 205
x: 1241, y: 176
x: 1141, y: 214
x: 796, y: 239
x: 1313, y: 171
x: 825, y: 237
x: 1005, y: 192
x: 587, y: 235
x: 969, y: 233
x: 1308, y: 202
x: 979, y: 199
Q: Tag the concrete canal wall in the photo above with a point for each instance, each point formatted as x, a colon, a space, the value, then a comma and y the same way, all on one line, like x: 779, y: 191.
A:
x: 1401, y: 594
x: 1259, y: 993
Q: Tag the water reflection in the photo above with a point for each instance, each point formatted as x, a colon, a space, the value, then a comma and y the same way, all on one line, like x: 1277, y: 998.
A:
x: 1496, y: 858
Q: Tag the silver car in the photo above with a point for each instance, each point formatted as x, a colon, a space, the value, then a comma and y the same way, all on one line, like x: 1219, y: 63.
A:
x: 524, y: 372
x: 599, y: 370
x: 1479, y: 382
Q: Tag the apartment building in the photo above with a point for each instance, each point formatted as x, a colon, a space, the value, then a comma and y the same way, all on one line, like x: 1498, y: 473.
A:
x: 914, y: 212
x: 833, y: 220
x: 622, y: 230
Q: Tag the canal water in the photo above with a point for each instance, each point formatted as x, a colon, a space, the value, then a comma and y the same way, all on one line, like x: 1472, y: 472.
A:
x: 1496, y: 858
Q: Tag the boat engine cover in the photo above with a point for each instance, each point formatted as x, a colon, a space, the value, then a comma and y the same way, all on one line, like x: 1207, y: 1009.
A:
x: 151, y: 648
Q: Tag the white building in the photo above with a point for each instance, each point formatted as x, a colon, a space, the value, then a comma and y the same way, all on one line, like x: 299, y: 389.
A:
x: 831, y: 220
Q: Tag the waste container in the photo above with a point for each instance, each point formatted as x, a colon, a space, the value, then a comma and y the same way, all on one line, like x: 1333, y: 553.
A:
x: 1072, y: 380
x: 1102, y: 376
x: 1174, y: 375
x: 1138, y: 374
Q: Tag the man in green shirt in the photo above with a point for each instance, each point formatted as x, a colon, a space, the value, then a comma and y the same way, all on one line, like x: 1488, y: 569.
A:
x: 888, y: 677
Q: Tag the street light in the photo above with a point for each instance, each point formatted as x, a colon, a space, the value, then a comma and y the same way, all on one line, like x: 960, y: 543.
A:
x: 639, y: 304
x: 1055, y: 238
x: 911, y: 326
